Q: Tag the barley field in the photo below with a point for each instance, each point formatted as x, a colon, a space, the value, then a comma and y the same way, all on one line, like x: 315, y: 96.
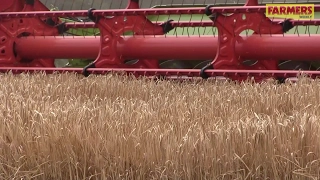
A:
x: 65, y: 126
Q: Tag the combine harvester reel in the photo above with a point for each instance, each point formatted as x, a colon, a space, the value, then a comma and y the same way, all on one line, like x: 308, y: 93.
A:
x: 12, y: 29
x: 133, y: 40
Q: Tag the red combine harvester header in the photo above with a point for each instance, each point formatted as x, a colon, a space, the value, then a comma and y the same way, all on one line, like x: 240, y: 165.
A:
x: 32, y: 38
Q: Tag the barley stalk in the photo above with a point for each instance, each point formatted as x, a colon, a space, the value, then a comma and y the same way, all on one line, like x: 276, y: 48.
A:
x: 64, y: 126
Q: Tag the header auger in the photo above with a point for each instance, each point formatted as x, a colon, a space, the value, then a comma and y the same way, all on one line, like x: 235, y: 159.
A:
x: 199, y: 40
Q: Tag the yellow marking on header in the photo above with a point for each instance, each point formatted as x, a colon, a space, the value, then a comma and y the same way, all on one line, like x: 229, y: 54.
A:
x: 290, y: 11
